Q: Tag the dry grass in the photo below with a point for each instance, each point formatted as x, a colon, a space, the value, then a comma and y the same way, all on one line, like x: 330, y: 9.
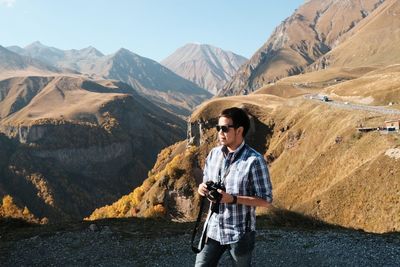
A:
x: 373, y: 42
x: 61, y: 97
x: 320, y: 167
x: 323, y: 172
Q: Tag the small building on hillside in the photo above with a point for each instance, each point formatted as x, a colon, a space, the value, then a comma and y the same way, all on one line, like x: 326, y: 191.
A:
x: 393, y: 125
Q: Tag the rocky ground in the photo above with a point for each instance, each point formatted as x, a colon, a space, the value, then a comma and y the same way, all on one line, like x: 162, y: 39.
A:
x: 134, y: 242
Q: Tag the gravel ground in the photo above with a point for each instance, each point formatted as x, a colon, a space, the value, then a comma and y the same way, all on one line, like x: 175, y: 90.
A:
x: 113, y: 246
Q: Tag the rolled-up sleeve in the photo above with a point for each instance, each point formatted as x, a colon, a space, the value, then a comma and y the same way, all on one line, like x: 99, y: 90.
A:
x: 261, y: 179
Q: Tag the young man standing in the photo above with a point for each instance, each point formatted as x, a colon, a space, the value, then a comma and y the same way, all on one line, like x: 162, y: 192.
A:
x: 244, y: 176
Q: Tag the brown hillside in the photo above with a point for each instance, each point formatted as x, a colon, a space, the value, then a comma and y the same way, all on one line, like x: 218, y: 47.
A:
x: 169, y: 191
x: 75, y: 144
x: 313, y: 30
x: 379, y: 87
x: 363, y: 85
x: 373, y: 42
x: 320, y: 166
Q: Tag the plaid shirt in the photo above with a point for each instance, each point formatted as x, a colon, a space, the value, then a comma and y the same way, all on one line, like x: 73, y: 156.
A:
x: 244, y: 172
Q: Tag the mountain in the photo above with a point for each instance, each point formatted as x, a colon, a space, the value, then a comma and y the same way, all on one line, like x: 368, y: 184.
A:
x: 70, y: 144
x: 66, y: 59
x: 315, y: 28
x: 207, y: 66
x: 372, y: 42
x: 156, y: 82
x: 12, y: 64
x: 44, y: 53
x: 79, y: 60
x: 162, y: 86
x: 16, y: 49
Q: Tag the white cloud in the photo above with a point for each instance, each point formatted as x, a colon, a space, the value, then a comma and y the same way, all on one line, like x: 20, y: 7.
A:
x: 7, y: 3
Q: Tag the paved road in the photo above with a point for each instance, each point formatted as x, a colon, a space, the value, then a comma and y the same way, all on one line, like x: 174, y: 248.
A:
x: 352, y: 106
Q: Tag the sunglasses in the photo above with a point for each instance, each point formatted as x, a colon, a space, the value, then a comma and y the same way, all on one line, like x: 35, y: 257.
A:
x: 224, y: 128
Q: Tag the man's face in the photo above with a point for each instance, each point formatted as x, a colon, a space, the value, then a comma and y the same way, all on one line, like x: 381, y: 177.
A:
x: 232, y: 136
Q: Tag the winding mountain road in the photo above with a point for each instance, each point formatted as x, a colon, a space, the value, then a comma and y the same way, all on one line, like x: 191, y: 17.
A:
x: 352, y: 106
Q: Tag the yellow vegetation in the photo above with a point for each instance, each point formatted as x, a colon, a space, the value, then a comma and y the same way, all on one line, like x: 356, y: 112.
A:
x: 135, y: 204
x: 9, y: 209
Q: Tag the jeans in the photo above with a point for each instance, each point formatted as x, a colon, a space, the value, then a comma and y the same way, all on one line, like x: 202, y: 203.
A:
x: 240, y: 251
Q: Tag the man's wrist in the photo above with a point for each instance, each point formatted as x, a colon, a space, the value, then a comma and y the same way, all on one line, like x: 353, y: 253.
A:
x: 234, y: 199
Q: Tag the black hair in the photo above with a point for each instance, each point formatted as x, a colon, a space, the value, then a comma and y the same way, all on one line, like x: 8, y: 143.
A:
x: 239, y: 118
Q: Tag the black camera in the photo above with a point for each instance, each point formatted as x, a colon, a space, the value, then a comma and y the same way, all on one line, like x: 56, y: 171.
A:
x: 212, y: 188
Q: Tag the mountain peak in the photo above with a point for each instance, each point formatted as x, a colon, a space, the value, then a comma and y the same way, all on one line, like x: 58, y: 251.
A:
x: 37, y: 44
x: 208, y: 66
x: 90, y: 50
x: 124, y: 51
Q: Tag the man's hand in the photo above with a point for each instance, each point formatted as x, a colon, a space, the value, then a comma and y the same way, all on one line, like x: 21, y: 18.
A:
x: 202, y: 190
x: 226, y: 198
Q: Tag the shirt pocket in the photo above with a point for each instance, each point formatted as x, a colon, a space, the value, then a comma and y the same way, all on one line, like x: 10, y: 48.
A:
x: 236, y: 181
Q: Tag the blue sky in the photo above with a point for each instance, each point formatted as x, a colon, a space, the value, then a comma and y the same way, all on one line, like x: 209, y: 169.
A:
x: 150, y: 28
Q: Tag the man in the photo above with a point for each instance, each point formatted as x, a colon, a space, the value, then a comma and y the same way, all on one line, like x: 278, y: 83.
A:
x: 244, y: 174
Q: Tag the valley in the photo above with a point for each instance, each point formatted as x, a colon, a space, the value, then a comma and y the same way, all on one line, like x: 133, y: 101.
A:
x: 88, y: 136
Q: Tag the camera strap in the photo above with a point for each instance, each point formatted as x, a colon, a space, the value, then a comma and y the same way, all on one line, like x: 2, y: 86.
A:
x: 227, y: 162
x: 196, y: 228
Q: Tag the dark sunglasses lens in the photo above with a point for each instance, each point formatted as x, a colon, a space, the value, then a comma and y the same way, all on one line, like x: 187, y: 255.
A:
x: 223, y: 128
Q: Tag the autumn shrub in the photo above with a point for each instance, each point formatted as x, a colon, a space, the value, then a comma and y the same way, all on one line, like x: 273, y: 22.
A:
x: 9, y: 209
x: 177, y: 173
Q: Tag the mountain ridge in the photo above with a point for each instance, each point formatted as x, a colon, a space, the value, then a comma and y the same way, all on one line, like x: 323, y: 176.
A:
x: 288, y: 53
x: 207, y: 66
x: 162, y: 86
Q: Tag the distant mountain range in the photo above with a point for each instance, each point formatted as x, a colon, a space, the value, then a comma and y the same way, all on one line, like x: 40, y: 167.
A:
x: 207, y: 66
x: 73, y: 135
x: 77, y: 60
x: 315, y: 29
x: 153, y: 80
x: 162, y: 86
x: 12, y: 63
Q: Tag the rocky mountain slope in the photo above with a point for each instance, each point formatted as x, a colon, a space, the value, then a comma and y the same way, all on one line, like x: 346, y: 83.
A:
x: 372, y: 42
x: 207, y: 66
x: 156, y: 82
x: 315, y: 28
x: 152, y: 80
x: 320, y: 165
x: 74, y: 143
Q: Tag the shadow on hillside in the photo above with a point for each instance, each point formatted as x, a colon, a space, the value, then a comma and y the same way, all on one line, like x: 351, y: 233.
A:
x: 277, y: 218
x: 259, y: 135
x: 282, y: 218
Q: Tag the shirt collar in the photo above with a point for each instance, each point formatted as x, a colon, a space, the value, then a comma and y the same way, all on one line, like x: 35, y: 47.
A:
x: 226, y: 151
